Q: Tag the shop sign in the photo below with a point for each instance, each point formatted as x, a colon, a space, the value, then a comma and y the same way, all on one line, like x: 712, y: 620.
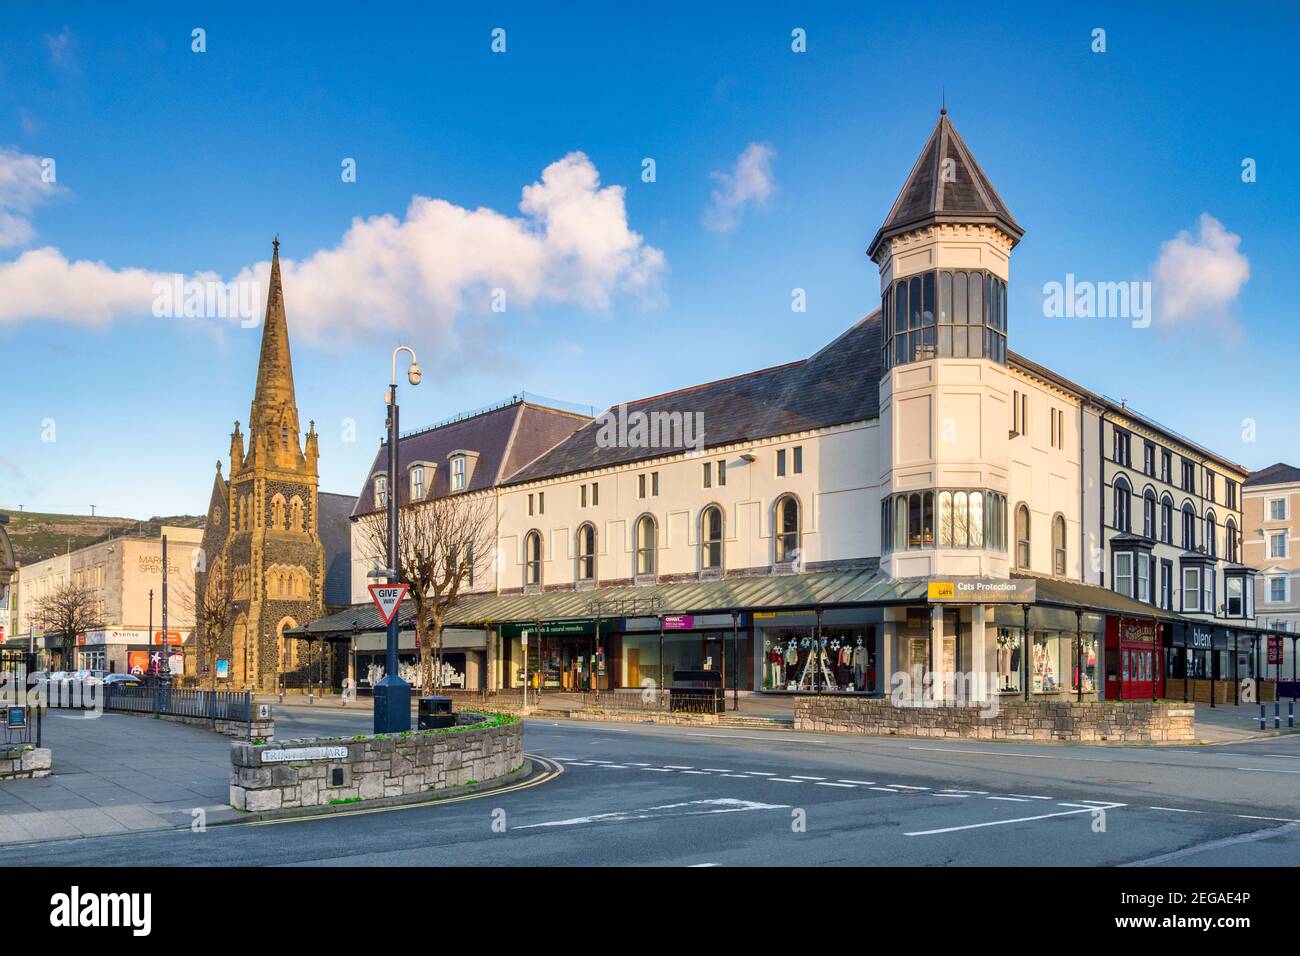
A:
x: 580, y: 626
x: 678, y: 622
x: 1137, y: 631
x: 771, y: 615
x: 137, y: 662
x: 1274, y: 649
x: 982, y: 591
x: 1200, y: 637
x: 223, y: 668
x: 173, y: 637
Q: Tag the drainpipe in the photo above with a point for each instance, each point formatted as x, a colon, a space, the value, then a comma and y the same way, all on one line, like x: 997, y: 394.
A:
x: 1024, y: 652
x: 1078, y: 653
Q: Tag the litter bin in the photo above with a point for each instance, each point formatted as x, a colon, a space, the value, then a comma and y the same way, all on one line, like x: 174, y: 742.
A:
x: 435, y: 713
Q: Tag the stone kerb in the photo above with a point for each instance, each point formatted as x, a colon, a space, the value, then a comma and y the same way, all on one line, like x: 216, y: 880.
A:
x: 314, y: 772
x: 24, y: 760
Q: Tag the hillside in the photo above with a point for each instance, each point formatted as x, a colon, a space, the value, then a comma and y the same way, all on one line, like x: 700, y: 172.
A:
x: 37, y: 536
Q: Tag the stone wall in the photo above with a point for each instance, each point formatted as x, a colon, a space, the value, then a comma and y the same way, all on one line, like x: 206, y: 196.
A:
x: 1108, y: 721
x: 337, y: 770
x: 24, y: 760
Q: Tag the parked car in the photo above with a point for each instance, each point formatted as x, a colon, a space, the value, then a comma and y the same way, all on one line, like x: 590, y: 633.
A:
x: 128, y: 680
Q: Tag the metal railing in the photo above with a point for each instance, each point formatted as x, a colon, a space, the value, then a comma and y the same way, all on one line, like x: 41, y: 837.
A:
x: 178, y: 702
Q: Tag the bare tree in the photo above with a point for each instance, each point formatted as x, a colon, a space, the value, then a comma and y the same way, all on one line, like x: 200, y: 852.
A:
x: 68, y: 610
x: 210, y: 600
x: 443, y: 544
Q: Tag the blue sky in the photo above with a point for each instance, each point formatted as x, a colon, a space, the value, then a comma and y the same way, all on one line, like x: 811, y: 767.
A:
x: 171, y: 161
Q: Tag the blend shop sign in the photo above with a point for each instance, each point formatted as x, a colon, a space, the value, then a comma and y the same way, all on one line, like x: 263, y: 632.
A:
x: 982, y: 591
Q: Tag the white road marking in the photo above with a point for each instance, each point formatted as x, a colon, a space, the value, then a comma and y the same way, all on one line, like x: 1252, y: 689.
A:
x: 884, y: 789
x: 1029, y: 796
x: 737, y: 776
x: 1165, y: 858
x: 670, y: 766
x: 613, y: 766
x: 658, y: 769
x: 689, y: 808
x: 1010, y: 753
x: 1246, y: 816
x: 695, y: 866
x: 594, y: 760
x: 824, y: 784
x: 698, y: 773
x: 978, y: 793
x: 1266, y: 770
x: 903, y: 786
x: 631, y: 764
x: 1012, y: 799
x: 998, y: 823
x: 959, y: 796
x: 716, y: 770
x: 795, y: 740
x: 860, y: 783
x: 799, y: 776
x: 783, y: 780
x: 761, y: 773
x: 1176, y: 810
x: 578, y: 763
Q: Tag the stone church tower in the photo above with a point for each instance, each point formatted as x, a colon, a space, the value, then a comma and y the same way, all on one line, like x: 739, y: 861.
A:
x: 262, y: 527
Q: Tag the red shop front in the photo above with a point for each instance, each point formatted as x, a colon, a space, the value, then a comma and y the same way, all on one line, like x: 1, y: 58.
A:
x: 1134, y: 659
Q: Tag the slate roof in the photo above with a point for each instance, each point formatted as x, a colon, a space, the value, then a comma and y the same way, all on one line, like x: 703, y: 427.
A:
x: 839, y: 384
x: 335, y: 533
x: 505, y: 438
x: 929, y: 196
x: 1278, y: 474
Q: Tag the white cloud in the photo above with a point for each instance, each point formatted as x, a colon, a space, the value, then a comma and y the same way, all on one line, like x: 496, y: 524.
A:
x: 572, y: 245
x: 1198, y: 277
x: 62, y: 49
x: 750, y: 182
x: 22, y: 189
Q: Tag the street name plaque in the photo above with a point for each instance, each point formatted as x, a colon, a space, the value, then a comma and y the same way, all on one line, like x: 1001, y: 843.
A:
x: 304, y: 753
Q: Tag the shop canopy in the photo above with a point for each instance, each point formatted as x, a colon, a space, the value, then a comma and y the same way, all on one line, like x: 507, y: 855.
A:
x: 860, y: 586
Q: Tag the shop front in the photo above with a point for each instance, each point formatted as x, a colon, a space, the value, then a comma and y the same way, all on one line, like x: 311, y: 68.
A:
x: 1055, y: 652
x: 1135, y: 651
x: 464, y: 653
x: 836, y: 652
x: 565, y: 655
x: 690, y: 642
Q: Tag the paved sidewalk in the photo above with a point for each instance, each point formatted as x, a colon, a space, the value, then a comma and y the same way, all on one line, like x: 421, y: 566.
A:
x: 116, y: 773
x: 1229, y: 723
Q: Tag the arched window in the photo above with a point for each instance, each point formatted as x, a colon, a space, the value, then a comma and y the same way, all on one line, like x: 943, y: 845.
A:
x: 277, y: 512
x: 1149, y: 513
x: 533, y: 558
x: 1122, y: 512
x: 646, y: 541
x: 787, y: 529
x: 587, y: 552
x: 1189, y: 527
x: 381, y: 491
x: 1211, y: 535
x: 417, y: 482
x: 1230, y: 541
x: 1167, y: 519
x: 1058, y: 545
x: 295, y: 514
x: 1022, y: 536
x: 711, y: 538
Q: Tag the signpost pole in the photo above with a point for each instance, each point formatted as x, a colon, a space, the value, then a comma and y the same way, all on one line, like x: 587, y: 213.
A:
x: 735, y: 661
x: 524, y: 642
x: 1078, y: 636
x: 660, y: 689
x: 1024, y: 652
x: 1236, y: 674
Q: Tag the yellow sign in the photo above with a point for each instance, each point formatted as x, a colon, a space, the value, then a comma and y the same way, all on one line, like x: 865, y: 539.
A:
x: 942, y: 590
x: 983, y: 591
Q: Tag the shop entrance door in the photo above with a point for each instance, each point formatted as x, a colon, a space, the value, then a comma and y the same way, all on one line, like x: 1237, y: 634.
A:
x: 715, y: 656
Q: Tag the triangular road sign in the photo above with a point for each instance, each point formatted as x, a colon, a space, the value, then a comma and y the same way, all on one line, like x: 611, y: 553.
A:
x: 387, y: 597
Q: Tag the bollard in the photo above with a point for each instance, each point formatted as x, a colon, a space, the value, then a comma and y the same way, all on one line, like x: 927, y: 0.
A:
x: 311, y: 693
x: 1277, y: 714
x: 1263, y: 717
x: 1290, y: 713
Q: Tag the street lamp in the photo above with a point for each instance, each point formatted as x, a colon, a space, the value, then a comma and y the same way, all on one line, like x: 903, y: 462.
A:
x: 392, y: 695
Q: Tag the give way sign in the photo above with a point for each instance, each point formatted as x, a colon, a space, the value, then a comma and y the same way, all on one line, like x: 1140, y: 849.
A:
x: 387, y: 597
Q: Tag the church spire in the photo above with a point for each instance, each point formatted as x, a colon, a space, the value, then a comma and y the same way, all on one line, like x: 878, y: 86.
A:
x: 273, y: 419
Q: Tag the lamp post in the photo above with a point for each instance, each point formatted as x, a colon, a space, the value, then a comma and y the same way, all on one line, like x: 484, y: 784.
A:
x: 392, y: 695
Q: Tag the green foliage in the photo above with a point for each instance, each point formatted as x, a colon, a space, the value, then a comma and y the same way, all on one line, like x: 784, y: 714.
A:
x: 341, y: 800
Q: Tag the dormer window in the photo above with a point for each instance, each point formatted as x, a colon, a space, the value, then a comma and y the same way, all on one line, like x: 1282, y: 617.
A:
x: 461, y: 462
x: 458, y: 473
x: 381, y: 491
x: 417, y: 482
